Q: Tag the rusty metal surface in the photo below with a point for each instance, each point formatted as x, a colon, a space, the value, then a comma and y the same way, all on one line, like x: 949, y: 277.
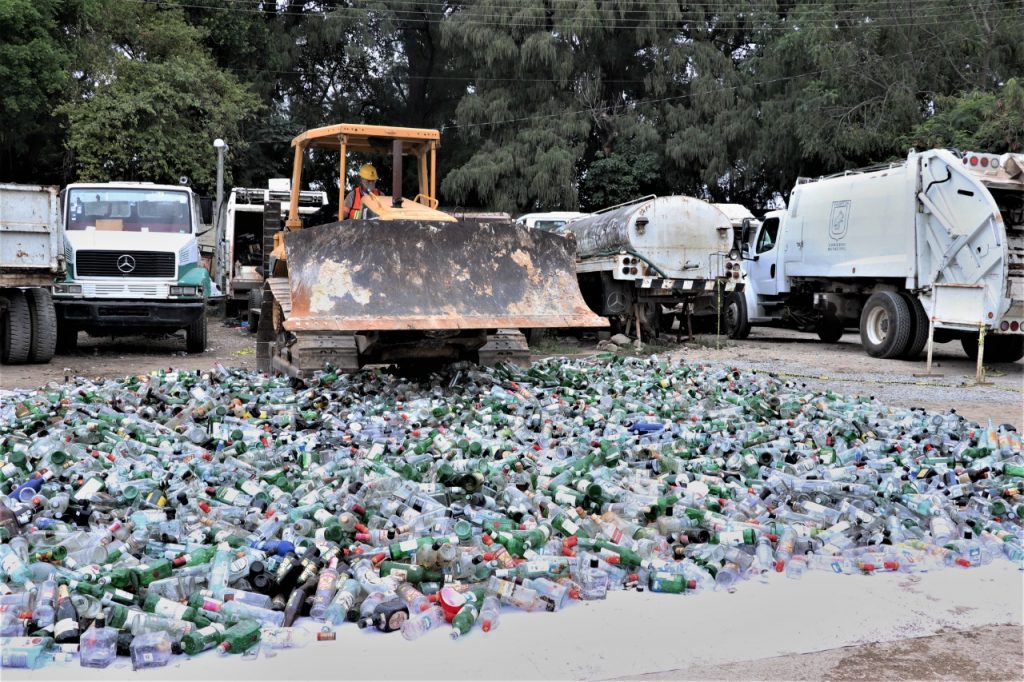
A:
x: 360, y: 275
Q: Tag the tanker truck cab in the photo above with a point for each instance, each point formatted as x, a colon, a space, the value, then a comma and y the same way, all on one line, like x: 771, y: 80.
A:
x: 133, y: 264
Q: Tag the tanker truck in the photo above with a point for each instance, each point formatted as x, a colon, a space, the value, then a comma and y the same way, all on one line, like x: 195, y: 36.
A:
x: 938, y: 237
x: 650, y: 260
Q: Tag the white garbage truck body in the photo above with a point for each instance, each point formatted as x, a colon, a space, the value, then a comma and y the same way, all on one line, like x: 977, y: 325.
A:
x: 938, y: 236
x: 652, y: 258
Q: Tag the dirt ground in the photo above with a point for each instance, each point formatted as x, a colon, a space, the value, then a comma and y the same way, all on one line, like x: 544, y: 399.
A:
x: 843, y: 366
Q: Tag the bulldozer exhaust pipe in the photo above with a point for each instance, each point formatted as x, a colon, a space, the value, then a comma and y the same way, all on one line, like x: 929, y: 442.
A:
x: 396, y: 174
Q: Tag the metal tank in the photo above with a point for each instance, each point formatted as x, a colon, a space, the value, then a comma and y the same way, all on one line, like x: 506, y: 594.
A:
x: 682, y: 237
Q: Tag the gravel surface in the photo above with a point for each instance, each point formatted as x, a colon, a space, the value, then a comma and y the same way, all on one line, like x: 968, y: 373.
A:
x: 843, y: 367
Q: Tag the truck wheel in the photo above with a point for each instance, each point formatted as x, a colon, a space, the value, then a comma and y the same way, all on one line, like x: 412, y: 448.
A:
x: 195, y: 335
x: 830, y: 329
x: 67, y: 338
x: 885, y: 325
x: 997, y: 348
x: 17, y: 329
x: 918, y: 329
x: 44, y: 325
x: 737, y: 323
x: 253, y: 315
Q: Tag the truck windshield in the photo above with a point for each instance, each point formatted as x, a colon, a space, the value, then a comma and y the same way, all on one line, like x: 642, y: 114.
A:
x: 128, y: 210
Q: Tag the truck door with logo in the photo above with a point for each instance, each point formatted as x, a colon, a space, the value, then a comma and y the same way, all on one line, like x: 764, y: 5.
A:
x: 762, y: 257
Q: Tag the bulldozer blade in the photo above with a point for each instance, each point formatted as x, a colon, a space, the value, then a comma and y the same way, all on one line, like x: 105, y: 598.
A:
x: 362, y: 276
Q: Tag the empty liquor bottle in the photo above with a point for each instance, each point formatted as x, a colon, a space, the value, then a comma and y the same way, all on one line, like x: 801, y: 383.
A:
x: 240, y: 637
x: 98, y: 646
x: 490, y: 613
x: 421, y: 623
x: 65, y: 627
x: 325, y: 589
x: 25, y: 652
x: 151, y: 650
x: 203, y: 639
x: 387, y: 616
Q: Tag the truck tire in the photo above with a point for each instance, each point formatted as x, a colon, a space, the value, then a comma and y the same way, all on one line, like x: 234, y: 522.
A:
x: 997, y: 348
x: 252, y: 313
x: 885, y: 325
x: 736, y: 320
x: 195, y: 335
x: 17, y: 329
x: 44, y: 325
x: 830, y: 329
x: 67, y: 338
x: 918, y: 329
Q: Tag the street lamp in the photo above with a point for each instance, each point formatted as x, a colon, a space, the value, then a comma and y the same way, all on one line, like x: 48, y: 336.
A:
x: 221, y: 146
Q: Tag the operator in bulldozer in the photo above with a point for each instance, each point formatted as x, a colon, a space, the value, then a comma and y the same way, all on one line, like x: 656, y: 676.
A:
x: 354, y: 199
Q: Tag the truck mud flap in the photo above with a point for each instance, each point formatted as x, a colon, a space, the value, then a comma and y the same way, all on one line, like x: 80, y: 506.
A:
x: 361, y: 275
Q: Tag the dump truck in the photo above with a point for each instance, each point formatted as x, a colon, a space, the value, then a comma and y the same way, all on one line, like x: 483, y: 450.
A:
x: 653, y: 259
x: 133, y: 263
x: 935, y: 242
x: 31, y: 258
x: 409, y: 284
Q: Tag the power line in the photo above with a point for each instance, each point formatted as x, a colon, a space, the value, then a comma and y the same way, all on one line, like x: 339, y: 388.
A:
x: 661, y: 99
x: 933, y: 16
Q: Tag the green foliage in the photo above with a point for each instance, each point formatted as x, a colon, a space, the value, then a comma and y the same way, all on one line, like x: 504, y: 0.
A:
x: 619, y: 178
x: 33, y: 77
x: 154, y: 113
x: 543, y: 104
x: 981, y: 121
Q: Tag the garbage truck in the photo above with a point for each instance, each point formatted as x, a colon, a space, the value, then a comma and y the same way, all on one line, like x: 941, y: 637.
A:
x: 935, y: 241
x: 643, y: 263
x: 244, y: 245
x: 406, y: 283
x: 31, y: 258
x: 133, y: 263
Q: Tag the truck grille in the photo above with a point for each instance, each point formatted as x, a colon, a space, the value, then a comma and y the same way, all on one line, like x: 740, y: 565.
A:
x: 124, y: 264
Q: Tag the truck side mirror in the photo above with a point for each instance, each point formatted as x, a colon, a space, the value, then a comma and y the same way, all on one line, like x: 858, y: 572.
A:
x: 206, y: 210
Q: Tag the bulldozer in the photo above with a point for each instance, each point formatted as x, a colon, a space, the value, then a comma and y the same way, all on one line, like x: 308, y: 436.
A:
x: 411, y: 284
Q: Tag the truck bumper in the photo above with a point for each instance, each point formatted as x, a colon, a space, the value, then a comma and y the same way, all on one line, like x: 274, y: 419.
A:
x: 117, y: 316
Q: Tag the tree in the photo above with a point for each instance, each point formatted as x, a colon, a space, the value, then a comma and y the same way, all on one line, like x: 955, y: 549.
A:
x: 981, y: 121
x: 33, y: 74
x: 153, y: 104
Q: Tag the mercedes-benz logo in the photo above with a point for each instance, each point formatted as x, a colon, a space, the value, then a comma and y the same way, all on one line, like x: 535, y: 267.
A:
x: 125, y: 263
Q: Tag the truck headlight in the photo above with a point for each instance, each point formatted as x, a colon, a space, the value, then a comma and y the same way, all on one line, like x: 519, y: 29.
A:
x: 67, y: 288
x: 184, y: 291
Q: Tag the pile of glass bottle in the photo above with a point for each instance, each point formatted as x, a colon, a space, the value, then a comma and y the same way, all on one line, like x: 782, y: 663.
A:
x: 178, y: 512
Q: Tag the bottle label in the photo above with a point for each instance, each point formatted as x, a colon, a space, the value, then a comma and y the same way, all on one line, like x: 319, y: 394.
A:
x: 15, y: 659
x: 65, y: 625
x: 407, y: 546
x: 229, y: 495
x: 399, y: 574
x: 170, y: 609
x: 569, y: 527
x: 91, y: 486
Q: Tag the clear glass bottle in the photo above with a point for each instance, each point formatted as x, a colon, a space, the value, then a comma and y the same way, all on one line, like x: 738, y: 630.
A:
x: 151, y: 650
x: 98, y: 646
x: 593, y: 582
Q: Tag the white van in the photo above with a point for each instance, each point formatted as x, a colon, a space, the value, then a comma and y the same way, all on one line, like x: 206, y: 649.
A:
x: 549, y: 222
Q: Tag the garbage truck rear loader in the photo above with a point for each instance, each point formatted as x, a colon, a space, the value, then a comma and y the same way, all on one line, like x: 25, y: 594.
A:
x: 939, y: 236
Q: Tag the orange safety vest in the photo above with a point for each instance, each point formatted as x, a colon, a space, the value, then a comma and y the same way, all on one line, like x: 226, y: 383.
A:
x: 356, y: 211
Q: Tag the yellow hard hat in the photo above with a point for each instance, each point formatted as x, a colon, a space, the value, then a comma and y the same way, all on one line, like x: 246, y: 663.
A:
x: 368, y: 172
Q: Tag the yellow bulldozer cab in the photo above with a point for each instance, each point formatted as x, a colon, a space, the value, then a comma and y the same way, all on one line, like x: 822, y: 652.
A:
x: 419, y: 143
